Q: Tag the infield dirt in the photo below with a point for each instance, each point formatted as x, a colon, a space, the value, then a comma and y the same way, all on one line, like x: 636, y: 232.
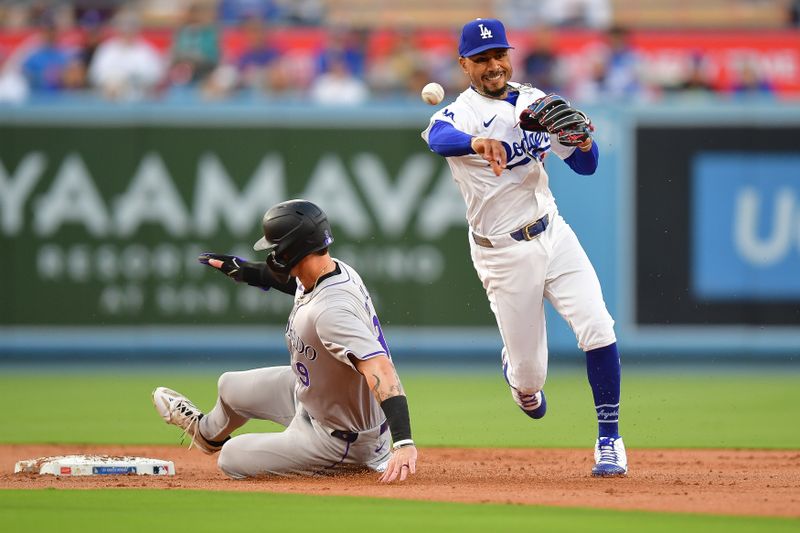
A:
x: 735, y: 482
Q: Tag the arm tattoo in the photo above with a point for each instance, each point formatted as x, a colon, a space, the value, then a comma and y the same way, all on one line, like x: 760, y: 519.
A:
x: 395, y: 389
x: 377, y: 387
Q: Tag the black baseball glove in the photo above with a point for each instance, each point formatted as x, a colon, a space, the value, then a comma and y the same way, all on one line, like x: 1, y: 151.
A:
x: 555, y: 115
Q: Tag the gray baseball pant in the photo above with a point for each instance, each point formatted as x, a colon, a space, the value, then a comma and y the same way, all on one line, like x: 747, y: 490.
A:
x: 305, y: 447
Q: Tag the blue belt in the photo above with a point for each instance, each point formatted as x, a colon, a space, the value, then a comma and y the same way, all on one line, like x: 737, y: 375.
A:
x: 352, y: 436
x: 525, y: 233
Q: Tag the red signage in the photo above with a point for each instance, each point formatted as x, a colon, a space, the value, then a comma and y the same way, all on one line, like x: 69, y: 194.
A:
x: 724, y: 56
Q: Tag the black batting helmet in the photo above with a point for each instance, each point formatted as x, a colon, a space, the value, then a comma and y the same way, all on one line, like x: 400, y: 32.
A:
x: 292, y: 230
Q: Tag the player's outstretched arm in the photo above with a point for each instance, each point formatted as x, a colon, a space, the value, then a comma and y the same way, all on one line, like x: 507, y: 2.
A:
x: 254, y: 273
x: 382, y: 379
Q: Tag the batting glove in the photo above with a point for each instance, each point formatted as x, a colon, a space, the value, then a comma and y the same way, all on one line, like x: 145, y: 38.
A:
x: 230, y: 265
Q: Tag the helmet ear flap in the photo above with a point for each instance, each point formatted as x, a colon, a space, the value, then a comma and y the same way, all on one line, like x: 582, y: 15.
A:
x: 279, y: 270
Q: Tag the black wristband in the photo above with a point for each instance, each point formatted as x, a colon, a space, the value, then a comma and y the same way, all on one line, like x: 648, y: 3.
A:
x: 250, y: 273
x: 258, y: 274
x: 396, y: 410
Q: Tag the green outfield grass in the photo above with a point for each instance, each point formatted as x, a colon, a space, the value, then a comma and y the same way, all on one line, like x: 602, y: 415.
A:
x: 735, y: 410
x: 199, y: 511
x: 449, y: 409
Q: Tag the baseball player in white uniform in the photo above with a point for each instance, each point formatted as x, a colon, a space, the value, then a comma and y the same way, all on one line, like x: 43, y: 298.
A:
x: 522, y: 249
x: 339, y: 399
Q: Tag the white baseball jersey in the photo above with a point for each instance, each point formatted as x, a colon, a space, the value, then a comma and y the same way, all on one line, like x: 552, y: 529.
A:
x: 497, y: 205
x: 519, y: 275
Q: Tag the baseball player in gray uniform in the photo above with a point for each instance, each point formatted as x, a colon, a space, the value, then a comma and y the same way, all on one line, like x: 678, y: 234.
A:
x: 340, y: 399
x: 495, y: 137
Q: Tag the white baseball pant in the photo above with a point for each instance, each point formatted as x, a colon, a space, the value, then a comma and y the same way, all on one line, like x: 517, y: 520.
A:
x: 519, y: 275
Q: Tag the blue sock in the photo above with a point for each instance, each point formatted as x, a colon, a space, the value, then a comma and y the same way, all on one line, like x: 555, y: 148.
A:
x: 603, y: 370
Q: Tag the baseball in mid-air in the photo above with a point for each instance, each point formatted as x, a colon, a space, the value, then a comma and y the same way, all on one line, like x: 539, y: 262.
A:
x: 433, y: 93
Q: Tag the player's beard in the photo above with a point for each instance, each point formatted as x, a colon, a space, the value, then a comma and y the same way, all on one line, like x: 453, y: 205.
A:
x: 497, y: 93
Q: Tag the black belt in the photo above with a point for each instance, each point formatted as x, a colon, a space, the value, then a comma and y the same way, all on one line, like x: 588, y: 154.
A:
x: 525, y: 233
x: 351, y: 436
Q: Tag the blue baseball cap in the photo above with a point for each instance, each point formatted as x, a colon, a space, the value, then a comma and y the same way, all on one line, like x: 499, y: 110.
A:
x: 481, y: 35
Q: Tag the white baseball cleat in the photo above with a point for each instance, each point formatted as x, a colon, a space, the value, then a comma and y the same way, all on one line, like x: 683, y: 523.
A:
x: 610, y: 457
x: 178, y: 410
x: 533, y: 405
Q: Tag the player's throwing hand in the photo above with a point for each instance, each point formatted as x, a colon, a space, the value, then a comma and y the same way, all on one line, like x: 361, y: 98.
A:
x: 492, y: 151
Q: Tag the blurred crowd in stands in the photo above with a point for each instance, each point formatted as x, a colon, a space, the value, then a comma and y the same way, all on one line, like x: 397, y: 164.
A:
x: 229, y: 50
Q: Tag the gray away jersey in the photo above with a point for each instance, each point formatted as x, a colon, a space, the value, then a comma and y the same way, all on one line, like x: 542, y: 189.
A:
x: 335, y: 319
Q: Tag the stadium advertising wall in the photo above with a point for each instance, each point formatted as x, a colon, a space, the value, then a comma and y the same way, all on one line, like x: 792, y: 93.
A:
x: 718, y: 226
x: 104, y: 223
x: 692, y: 223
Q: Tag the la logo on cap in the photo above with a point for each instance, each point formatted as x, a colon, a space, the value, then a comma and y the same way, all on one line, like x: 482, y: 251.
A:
x: 480, y: 35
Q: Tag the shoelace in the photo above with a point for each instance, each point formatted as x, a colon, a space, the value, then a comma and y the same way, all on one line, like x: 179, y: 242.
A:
x: 528, y: 401
x: 608, y: 454
x: 192, y: 427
